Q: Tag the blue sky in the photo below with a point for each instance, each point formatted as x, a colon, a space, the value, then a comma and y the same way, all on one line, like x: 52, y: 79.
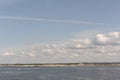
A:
x: 31, y: 22
x: 19, y: 31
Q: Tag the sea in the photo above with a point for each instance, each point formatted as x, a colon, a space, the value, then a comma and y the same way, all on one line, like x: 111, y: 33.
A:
x: 60, y: 73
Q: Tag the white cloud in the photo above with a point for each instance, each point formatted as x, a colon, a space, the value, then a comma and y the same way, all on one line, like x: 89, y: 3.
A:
x: 103, y: 47
x: 8, y: 54
x: 52, y: 20
x: 110, y: 38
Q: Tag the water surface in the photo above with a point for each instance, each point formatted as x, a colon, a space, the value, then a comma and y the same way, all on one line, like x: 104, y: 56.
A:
x: 59, y: 73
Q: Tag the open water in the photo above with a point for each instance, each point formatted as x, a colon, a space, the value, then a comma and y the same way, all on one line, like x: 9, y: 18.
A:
x: 59, y: 73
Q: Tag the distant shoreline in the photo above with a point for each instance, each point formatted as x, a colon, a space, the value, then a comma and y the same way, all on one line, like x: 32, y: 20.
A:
x: 60, y: 64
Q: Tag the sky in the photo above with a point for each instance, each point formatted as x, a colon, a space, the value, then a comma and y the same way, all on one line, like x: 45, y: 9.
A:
x: 59, y: 31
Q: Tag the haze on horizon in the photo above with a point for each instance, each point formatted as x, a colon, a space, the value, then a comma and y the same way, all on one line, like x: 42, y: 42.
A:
x: 59, y: 31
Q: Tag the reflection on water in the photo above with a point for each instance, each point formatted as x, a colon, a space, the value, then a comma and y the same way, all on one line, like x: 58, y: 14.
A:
x: 59, y: 73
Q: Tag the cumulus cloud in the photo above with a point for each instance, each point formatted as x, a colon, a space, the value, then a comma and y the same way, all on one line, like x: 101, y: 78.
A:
x: 102, y: 48
x: 110, y: 38
x: 8, y: 54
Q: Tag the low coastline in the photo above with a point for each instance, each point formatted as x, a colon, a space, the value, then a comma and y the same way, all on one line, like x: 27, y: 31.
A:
x: 60, y: 64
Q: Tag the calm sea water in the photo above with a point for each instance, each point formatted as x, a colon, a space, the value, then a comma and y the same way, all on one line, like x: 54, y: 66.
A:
x: 59, y: 73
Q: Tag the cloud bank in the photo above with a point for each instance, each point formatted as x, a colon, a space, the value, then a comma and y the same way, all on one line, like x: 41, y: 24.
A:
x: 101, y: 48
